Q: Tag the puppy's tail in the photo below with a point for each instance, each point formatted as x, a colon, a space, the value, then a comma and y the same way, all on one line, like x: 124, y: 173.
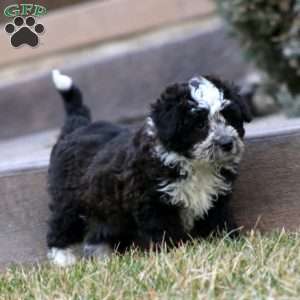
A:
x: 77, y: 114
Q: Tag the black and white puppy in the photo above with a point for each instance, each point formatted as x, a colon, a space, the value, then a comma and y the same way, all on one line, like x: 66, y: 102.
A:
x: 165, y: 181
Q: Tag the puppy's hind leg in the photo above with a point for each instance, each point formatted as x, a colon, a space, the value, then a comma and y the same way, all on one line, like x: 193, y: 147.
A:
x: 99, y: 242
x: 101, y: 250
x: 66, y: 228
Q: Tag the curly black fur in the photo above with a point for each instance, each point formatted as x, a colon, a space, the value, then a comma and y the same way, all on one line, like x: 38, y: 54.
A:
x: 104, y: 178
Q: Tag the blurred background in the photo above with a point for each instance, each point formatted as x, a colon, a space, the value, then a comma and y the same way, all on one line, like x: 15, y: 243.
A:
x: 122, y: 53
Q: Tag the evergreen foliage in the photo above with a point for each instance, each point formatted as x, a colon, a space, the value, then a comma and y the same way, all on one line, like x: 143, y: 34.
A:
x: 269, y: 32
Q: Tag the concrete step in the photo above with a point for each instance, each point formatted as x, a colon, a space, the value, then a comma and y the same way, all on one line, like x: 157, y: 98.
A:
x: 96, y: 21
x: 49, y: 4
x: 120, y: 84
x: 266, y: 196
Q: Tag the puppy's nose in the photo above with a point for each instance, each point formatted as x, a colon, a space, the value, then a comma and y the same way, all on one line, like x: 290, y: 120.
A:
x: 226, y: 143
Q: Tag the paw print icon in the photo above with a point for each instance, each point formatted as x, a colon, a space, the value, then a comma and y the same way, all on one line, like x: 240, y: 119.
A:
x: 24, y: 31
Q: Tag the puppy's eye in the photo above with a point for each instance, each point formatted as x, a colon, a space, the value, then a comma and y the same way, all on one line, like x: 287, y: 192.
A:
x: 203, y: 113
x: 199, y: 114
x: 193, y: 105
x: 231, y: 113
x: 202, y: 116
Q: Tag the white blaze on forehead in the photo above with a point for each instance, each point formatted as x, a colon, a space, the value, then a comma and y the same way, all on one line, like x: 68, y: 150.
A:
x: 207, y: 94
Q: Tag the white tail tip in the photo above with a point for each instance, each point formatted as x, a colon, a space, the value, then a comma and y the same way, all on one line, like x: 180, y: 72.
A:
x: 61, y: 82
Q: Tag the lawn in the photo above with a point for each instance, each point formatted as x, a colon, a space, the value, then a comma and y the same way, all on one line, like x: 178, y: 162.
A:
x: 253, y: 267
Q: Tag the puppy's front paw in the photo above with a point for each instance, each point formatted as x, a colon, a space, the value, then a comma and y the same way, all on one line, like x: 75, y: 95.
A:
x: 61, y: 257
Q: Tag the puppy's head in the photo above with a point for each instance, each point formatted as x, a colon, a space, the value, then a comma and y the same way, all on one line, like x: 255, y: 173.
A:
x: 202, y: 119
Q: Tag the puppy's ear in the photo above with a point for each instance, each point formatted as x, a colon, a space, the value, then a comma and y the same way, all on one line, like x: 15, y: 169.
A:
x: 235, y: 93
x: 231, y: 91
x: 166, y: 123
x: 247, y: 116
x: 166, y: 112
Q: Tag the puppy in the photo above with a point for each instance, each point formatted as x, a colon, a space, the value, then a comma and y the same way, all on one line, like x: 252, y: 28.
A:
x: 168, y: 180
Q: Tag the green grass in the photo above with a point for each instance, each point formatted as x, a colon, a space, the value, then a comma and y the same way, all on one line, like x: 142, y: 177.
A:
x: 254, y: 267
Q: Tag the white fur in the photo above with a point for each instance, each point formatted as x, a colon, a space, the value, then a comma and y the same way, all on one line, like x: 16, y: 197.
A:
x: 171, y: 159
x: 203, y: 183
x: 150, y: 127
x: 207, y: 95
x: 207, y: 150
x: 100, y: 251
x: 196, y: 192
x: 61, y: 257
x: 61, y: 82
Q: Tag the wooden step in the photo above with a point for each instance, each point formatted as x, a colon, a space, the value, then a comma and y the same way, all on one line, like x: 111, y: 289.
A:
x: 266, y: 196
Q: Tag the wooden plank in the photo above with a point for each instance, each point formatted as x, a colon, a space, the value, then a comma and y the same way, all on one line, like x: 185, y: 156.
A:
x: 31, y: 105
x: 267, y: 193
x: 98, y: 21
x: 32, y: 151
x: 268, y: 190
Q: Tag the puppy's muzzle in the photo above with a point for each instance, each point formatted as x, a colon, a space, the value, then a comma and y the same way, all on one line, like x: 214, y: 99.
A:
x: 225, y: 142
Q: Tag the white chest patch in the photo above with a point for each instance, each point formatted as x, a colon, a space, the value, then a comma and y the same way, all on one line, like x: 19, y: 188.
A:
x: 196, y: 193
x: 207, y: 94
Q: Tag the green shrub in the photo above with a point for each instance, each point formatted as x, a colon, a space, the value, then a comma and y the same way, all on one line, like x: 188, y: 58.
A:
x: 269, y: 33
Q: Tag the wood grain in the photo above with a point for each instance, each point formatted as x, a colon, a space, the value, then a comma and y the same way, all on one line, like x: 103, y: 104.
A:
x: 268, y: 190
x: 97, y: 21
